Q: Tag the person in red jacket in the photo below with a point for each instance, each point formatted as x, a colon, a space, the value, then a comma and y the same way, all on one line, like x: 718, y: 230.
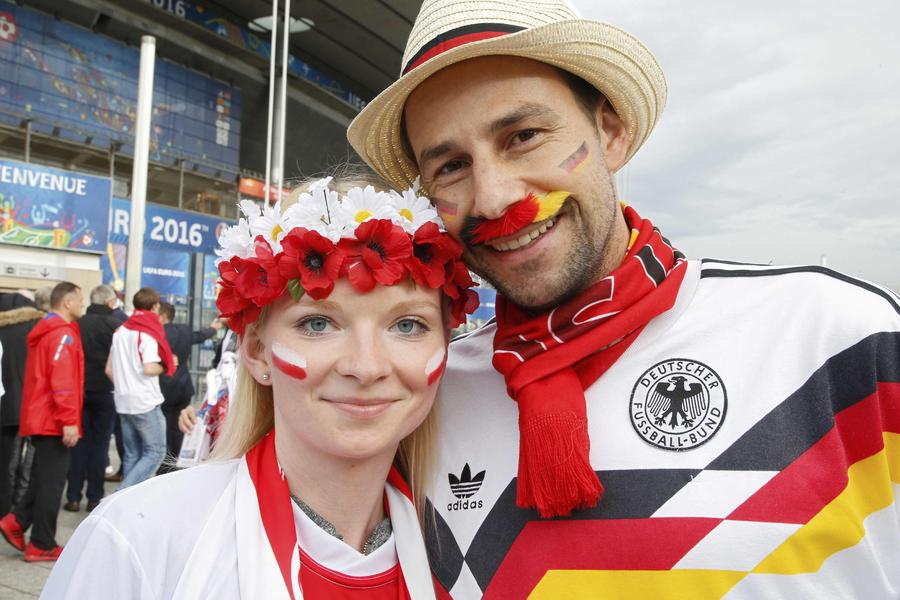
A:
x: 52, y: 399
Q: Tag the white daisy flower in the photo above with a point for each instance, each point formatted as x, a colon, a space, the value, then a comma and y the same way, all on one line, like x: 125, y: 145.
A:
x: 234, y: 241
x: 249, y: 208
x: 413, y: 210
x: 315, y: 211
x: 270, y: 225
x: 360, y: 205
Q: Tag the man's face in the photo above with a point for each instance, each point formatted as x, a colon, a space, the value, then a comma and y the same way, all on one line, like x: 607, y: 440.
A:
x: 74, y: 304
x: 488, y: 132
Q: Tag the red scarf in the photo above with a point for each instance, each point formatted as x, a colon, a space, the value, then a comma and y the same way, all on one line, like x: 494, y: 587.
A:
x: 549, y: 359
x: 145, y: 321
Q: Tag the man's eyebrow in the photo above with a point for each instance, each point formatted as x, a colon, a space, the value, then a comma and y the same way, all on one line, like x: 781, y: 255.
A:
x: 526, y: 111
x: 435, y: 152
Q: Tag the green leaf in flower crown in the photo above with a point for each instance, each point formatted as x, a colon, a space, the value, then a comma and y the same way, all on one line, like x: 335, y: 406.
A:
x: 295, y: 288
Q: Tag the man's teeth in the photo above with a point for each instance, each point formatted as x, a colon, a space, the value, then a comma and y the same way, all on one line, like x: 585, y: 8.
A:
x: 525, y: 239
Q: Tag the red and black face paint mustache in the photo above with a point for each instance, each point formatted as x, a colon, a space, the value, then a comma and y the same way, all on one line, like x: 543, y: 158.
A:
x: 528, y: 210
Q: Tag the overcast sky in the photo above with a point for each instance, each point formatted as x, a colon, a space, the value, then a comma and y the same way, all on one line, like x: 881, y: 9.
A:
x: 780, y: 140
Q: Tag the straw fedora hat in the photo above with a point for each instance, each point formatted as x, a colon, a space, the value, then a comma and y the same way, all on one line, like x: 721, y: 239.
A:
x: 549, y: 31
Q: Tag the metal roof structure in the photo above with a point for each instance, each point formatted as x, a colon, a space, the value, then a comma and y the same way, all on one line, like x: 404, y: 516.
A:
x: 355, y: 44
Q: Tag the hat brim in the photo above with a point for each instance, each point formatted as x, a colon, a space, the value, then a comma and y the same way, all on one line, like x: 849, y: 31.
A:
x: 612, y: 60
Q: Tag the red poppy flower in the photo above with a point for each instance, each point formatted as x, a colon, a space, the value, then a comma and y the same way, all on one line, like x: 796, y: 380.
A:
x: 463, y: 299
x: 313, y: 258
x: 432, y: 250
x: 380, y: 253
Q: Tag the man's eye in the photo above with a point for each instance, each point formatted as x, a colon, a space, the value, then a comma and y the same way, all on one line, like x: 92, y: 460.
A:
x: 524, y: 135
x: 449, y: 167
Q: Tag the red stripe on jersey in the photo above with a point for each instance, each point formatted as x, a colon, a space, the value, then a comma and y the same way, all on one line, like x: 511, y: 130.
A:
x: 638, y: 544
x: 817, y: 476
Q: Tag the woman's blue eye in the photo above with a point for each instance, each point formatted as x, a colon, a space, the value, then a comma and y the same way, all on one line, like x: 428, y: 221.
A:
x: 410, y: 327
x: 314, y: 325
x: 317, y: 324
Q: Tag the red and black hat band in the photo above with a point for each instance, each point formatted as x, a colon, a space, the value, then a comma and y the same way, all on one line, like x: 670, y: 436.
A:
x: 457, y: 37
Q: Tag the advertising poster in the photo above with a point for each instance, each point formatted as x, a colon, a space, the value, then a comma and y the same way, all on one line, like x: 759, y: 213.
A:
x: 51, y: 208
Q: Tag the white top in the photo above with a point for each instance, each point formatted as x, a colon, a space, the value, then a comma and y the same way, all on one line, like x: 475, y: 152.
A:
x: 135, y: 392
x: 197, y: 533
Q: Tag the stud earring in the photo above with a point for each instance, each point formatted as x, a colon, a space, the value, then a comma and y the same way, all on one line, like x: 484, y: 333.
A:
x: 266, y: 377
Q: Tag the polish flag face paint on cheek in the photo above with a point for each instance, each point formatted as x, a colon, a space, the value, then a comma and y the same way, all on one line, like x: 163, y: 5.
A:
x: 288, y: 362
x: 435, y: 365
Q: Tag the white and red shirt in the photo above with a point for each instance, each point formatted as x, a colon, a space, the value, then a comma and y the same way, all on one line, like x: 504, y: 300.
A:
x: 135, y: 393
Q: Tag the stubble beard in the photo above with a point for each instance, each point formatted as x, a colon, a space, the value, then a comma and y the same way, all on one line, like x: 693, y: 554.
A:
x: 538, y: 287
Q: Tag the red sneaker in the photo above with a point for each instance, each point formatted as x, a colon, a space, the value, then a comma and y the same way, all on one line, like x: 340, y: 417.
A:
x: 35, y: 554
x: 12, y: 531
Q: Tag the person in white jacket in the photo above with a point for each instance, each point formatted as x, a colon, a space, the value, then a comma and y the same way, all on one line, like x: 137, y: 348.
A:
x: 343, y: 310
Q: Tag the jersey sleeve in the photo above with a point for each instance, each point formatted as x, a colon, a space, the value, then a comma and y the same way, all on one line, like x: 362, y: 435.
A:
x: 149, y: 350
x: 98, y: 562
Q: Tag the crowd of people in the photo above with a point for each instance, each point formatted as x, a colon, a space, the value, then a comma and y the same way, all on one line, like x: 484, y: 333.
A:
x: 71, y: 378
x: 632, y: 424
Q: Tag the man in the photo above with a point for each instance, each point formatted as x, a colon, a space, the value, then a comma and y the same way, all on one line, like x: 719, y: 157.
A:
x: 51, y: 415
x: 139, y: 355
x: 680, y: 428
x: 91, y: 453
x: 179, y: 389
x: 18, y: 315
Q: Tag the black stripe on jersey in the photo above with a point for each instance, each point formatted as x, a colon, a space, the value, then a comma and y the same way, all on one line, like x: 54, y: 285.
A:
x: 506, y: 521
x: 463, y: 336
x: 652, y: 266
x: 807, y: 269
x: 731, y: 262
x: 443, y: 552
x: 805, y: 416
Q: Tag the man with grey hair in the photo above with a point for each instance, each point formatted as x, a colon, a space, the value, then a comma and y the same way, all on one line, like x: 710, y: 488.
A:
x: 98, y: 415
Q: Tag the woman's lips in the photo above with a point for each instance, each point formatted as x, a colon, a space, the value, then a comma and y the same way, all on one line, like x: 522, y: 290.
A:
x: 363, y: 408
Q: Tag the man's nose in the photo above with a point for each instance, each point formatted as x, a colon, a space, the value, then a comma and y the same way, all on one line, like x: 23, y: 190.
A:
x: 496, y: 188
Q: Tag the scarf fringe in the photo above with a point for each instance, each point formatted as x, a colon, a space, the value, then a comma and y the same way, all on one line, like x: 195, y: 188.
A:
x: 555, y: 473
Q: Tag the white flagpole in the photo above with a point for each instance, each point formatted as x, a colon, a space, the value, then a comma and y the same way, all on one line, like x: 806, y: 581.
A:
x: 272, y: 54
x: 282, y: 112
x: 134, y: 264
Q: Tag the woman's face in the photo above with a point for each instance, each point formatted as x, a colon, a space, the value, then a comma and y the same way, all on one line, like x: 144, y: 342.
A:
x: 353, y: 374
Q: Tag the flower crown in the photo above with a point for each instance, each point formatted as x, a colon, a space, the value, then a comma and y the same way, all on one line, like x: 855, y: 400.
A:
x: 368, y: 236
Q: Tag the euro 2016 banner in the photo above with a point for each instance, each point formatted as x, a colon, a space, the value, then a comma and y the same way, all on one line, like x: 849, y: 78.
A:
x: 51, y: 208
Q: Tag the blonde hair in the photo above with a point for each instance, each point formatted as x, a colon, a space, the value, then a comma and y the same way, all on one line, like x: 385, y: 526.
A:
x: 251, y: 415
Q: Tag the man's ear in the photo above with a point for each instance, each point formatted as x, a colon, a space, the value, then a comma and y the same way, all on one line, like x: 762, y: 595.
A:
x: 613, y: 136
x: 253, y: 356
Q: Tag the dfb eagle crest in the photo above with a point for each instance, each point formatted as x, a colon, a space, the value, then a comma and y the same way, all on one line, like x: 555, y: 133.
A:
x: 678, y: 404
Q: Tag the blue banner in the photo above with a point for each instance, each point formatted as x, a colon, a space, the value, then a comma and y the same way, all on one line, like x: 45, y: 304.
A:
x: 165, y: 271
x: 167, y: 228
x: 83, y: 87
x: 52, y: 208
x: 487, y: 301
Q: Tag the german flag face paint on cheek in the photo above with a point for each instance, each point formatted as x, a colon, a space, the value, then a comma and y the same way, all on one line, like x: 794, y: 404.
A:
x: 576, y: 159
x: 288, y: 362
x: 447, y: 210
x: 435, y: 366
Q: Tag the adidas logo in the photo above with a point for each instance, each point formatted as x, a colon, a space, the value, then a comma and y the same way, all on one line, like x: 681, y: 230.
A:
x: 464, y: 487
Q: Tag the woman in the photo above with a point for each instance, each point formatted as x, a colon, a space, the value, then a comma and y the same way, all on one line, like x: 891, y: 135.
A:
x: 343, y: 308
